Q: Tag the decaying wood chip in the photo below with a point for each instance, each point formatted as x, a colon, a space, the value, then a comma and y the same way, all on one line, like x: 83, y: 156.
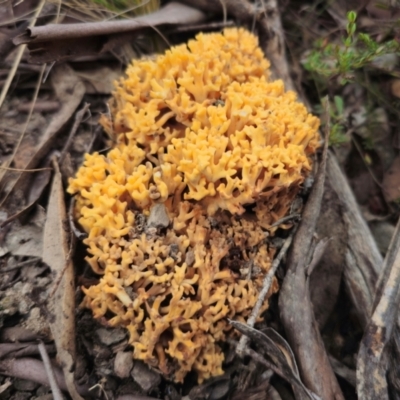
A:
x: 61, y: 306
x: 55, y: 42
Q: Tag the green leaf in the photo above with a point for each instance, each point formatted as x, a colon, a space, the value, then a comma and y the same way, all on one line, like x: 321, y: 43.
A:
x: 339, y: 104
x: 351, y: 16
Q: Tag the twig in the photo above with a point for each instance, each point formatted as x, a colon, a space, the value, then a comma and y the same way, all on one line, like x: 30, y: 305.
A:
x: 78, y: 119
x: 33, y: 370
x: 26, y: 170
x: 264, y: 291
x: 19, y: 265
x: 174, y: 13
x: 285, y: 219
x: 18, y: 57
x: 203, y: 27
x: 42, y: 106
x: 57, y: 395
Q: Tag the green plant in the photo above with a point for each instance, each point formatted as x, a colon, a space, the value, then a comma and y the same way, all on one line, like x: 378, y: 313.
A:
x: 338, y: 121
x: 355, y: 51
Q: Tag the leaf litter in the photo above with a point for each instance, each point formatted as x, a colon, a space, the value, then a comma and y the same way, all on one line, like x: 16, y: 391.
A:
x: 40, y: 295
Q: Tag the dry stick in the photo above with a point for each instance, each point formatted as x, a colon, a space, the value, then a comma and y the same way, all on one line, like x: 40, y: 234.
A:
x: 372, y: 363
x: 78, y: 119
x: 32, y: 369
x: 294, y: 300
x: 18, y: 57
x: 203, y: 27
x: 173, y: 13
x: 19, y: 265
x: 64, y: 41
x: 57, y: 395
x: 264, y: 291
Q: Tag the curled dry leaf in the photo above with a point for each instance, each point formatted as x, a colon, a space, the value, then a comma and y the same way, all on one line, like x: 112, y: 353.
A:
x: 278, y: 354
x: 61, y: 306
x: 55, y: 42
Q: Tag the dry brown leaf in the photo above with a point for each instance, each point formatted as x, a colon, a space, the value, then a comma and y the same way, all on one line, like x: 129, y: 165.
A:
x: 27, y: 240
x: 69, y: 90
x: 61, y: 306
x: 100, y: 80
x: 56, y: 42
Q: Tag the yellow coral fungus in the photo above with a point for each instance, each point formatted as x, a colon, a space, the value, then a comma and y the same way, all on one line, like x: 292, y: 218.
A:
x: 209, y: 153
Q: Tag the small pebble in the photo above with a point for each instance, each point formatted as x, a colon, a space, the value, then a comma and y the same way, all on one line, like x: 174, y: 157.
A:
x: 110, y: 336
x: 123, y: 364
x: 158, y: 217
x: 144, y: 376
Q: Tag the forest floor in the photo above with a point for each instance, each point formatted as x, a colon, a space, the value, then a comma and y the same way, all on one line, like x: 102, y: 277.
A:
x: 342, y: 58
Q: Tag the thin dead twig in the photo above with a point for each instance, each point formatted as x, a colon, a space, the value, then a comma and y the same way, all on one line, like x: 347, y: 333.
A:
x: 18, y: 57
x: 57, y: 395
x: 78, y: 119
x: 19, y: 265
x: 264, y: 291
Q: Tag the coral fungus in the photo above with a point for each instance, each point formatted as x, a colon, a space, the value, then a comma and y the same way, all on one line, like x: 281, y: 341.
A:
x: 208, y: 153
